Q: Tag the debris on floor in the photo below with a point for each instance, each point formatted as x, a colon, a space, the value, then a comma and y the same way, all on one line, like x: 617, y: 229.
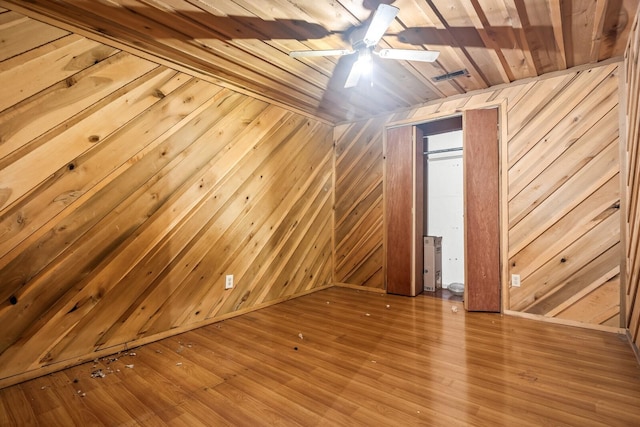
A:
x: 454, y: 309
x: 367, y: 314
x: 388, y: 306
x: 300, y: 336
x: 179, y: 364
x: 129, y: 366
x: 98, y: 374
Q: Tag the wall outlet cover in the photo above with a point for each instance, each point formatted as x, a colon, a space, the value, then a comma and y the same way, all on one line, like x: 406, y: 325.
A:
x: 515, y: 280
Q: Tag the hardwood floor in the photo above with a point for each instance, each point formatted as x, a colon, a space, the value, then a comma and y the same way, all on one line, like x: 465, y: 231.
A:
x: 347, y: 357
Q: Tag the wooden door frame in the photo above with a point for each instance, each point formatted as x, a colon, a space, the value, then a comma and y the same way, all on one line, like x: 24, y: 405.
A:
x: 418, y: 119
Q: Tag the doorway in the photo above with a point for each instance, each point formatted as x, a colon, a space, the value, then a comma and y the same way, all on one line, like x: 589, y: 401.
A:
x: 406, y: 180
x: 444, y: 202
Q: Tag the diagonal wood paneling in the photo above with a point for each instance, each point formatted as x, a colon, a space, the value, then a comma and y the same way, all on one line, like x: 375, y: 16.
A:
x: 358, y: 206
x: 632, y: 181
x: 563, y: 193
x: 128, y: 191
x: 568, y: 151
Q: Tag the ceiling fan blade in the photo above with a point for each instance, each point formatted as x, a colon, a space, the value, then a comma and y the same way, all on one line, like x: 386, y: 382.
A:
x: 382, y: 18
x: 409, y: 54
x: 309, y: 53
x: 354, y: 75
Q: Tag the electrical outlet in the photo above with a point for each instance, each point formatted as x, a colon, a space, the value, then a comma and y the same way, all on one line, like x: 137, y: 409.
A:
x: 228, y: 283
x: 515, y: 280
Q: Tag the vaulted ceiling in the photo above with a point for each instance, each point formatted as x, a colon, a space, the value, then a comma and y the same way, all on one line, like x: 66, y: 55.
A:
x: 245, y: 44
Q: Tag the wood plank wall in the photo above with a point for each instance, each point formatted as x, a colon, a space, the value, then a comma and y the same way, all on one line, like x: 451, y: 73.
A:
x: 563, y: 193
x: 129, y: 190
x: 632, y: 175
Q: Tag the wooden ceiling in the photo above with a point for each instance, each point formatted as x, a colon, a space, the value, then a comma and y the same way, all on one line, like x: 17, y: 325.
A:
x: 244, y: 44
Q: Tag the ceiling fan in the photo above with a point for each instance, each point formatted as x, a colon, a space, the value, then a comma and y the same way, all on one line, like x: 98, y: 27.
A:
x: 364, y: 40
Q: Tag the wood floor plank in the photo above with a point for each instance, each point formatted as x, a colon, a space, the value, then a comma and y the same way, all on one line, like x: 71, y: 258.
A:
x: 414, y: 369
x: 343, y: 357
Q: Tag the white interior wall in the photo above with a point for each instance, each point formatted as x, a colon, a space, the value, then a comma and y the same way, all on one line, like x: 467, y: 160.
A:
x: 445, y: 203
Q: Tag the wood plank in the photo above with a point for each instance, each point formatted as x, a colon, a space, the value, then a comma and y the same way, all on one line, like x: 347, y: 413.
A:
x: 20, y: 35
x: 556, y: 166
x: 83, y: 134
x: 591, y: 177
x: 597, y: 207
x: 556, y: 271
x: 361, y: 208
x: 154, y: 298
x: 71, y: 55
x: 544, y: 91
x: 28, y: 220
x: 568, y: 98
x: 600, y: 104
x: 283, y: 223
x: 546, y: 44
x: 598, y: 306
x: 126, y: 218
x: 45, y: 256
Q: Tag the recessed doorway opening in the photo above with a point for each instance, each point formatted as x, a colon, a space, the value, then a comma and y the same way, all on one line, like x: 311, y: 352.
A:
x: 444, y: 201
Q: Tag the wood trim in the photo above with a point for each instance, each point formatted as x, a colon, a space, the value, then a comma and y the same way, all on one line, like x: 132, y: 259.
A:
x: 417, y: 211
x: 334, y: 263
x: 504, y: 203
x: 448, y: 124
x: 622, y: 109
x: 360, y: 288
x: 565, y: 322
